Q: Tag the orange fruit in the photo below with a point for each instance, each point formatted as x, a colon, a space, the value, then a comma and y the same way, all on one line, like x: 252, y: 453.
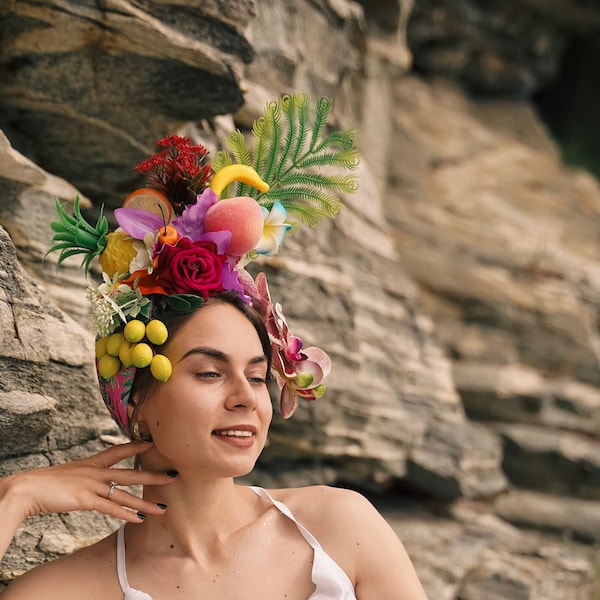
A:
x: 151, y: 200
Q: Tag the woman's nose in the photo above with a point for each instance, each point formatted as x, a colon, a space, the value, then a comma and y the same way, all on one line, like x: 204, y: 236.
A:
x: 241, y: 394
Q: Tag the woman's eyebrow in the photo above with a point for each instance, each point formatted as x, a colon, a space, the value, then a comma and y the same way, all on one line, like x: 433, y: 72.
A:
x: 218, y: 355
x: 211, y: 352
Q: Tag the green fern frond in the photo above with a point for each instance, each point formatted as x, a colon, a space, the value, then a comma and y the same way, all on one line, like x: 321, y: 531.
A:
x: 221, y: 159
x: 289, y: 146
x: 323, y: 109
x: 347, y: 159
x: 237, y: 144
x: 344, y: 183
x: 273, y: 126
x: 302, y: 102
x: 241, y: 152
x: 345, y: 139
x: 261, y: 138
x: 311, y: 202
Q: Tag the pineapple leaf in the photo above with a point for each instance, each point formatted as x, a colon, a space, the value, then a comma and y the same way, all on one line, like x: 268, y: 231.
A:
x: 74, y: 235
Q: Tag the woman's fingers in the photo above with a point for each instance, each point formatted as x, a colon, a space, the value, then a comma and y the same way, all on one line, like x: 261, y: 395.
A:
x: 115, y: 454
x: 129, y: 501
x: 86, y: 484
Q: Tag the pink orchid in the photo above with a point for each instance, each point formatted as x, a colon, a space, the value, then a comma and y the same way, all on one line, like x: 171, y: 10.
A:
x: 300, y: 371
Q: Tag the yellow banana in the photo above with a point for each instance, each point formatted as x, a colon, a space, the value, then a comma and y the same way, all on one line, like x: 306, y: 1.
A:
x: 223, y: 177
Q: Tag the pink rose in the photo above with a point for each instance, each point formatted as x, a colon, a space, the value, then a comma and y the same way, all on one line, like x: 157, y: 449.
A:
x: 190, y: 268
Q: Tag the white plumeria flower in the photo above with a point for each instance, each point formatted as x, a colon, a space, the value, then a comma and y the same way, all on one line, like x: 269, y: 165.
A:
x: 274, y: 230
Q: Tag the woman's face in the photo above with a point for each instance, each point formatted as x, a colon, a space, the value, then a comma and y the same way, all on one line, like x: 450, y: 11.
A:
x: 213, y: 414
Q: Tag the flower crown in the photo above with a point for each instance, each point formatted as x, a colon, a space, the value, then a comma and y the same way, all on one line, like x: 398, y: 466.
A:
x: 189, y: 235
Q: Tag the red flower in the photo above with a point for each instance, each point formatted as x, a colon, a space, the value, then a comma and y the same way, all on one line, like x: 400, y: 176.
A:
x: 190, y: 268
x: 180, y: 170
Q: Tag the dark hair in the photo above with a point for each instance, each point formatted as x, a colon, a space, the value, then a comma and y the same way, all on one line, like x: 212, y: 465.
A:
x: 144, y: 383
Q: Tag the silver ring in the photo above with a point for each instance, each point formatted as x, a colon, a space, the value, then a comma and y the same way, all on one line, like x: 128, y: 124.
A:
x: 111, y: 488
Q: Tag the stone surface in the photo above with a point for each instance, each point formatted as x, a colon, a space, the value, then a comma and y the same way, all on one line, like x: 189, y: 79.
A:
x: 457, y: 293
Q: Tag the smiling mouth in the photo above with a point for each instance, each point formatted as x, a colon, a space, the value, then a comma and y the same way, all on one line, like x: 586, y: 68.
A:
x: 234, y: 433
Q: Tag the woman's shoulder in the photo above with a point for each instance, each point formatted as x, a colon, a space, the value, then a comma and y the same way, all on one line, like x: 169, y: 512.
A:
x: 324, y: 503
x: 92, y: 568
x: 335, y: 516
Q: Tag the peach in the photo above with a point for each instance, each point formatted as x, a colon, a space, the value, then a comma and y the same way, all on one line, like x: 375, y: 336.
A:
x: 242, y: 217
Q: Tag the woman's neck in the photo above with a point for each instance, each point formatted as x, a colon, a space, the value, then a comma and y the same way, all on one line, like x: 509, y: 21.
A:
x: 201, y: 516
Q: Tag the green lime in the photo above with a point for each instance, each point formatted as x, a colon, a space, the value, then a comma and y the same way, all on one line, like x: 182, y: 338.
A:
x: 141, y: 355
x: 134, y: 331
x: 156, y: 332
x: 161, y: 368
x: 108, y: 366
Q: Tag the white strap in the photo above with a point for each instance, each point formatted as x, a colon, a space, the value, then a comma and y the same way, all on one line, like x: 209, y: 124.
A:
x: 130, y: 593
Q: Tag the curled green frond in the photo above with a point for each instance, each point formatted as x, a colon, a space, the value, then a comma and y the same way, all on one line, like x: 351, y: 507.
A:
x: 74, y: 235
x: 260, y: 144
x: 344, y: 183
x: 308, y: 203
x: 323, y: 110
x: 273, y: 120
x: 241, y: 153
x: 221, y: 159
x: 237, y: 144
x: 347, y: 159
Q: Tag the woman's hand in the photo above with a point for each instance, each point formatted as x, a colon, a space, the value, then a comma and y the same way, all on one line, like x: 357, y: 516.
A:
x: 86, y: 484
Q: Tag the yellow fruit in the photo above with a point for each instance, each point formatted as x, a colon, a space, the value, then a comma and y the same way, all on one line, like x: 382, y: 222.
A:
x: 230, y: 173
x: 108, y: 366
x: 141, y: 355
x: 101, y: 347
x: 134, y: 331
x: 156, y: 332
x: 113, y: 342
x: 125, y: 350
x: 117, y: 255
x: 161, y: 368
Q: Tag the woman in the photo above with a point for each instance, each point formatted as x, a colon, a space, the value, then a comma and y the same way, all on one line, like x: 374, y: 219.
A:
x: 196, y: 533
x: 186, y: 343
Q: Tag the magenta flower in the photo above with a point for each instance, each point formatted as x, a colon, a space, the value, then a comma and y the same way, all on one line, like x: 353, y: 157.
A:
x: 300, y: 371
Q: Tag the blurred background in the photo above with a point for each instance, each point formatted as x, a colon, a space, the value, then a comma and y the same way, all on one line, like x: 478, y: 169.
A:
x: 458, y: 293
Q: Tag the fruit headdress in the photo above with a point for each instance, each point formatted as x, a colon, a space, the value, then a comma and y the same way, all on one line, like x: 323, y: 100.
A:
x: 189, y: 235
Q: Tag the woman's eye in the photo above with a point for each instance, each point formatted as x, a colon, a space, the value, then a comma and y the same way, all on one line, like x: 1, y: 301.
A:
x: 208, y: 375
x: 257, y: 380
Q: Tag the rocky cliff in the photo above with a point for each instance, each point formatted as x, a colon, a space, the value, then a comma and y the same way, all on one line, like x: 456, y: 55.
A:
x: 457, y: 293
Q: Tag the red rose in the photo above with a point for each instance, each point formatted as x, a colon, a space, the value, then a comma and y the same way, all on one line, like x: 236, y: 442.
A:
x: 190, y: 268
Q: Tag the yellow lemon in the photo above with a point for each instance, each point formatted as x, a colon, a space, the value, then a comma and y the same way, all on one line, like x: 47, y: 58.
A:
x: 161, y: 368
x: 134, y: 331
x: 156, y: 332
x: 125, y: 353
x: 113, y: 342
x: 141, y: 355
x: 117, y: 255
x: 101, y: 347
x: 108, y: 366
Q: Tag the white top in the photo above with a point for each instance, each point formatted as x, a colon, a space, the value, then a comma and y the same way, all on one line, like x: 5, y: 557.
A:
x: 331, y: 582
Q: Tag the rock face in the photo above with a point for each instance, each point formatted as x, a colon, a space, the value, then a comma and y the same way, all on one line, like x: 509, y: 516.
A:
x: 457, y: 294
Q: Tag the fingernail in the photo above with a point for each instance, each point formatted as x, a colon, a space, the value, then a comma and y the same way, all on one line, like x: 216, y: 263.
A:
x: 172, y: 473
x: 161, y: 505
x: 141, y: 516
